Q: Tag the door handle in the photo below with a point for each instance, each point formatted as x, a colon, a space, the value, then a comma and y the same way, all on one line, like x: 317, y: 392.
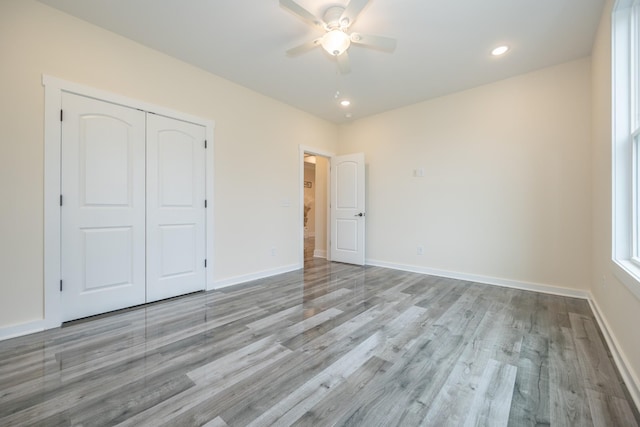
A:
x: 359, y: 214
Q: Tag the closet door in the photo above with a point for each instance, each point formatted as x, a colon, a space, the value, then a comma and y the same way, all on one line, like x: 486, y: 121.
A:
x: 175, y: 207
x: 103, y: 209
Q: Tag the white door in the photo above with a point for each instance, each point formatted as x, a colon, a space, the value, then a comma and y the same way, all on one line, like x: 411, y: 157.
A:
x: 347, y: 209
x: 103, y: 210
x: 175, y: 207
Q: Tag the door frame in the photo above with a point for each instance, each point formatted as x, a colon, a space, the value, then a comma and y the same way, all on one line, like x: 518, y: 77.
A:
x: 53, y: 89
x: 302, y: 149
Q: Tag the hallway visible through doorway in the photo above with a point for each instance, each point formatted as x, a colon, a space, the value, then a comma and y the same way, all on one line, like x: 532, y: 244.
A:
x: 309, y: 247
x: 315, y: 194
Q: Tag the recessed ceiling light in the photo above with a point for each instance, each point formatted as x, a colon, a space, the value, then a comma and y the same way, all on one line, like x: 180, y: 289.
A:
x: 345, y: 102
x: 500, y: 50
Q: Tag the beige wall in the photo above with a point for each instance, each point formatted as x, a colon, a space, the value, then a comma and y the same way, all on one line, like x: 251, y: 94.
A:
x: 36, y: 40
x: 506, y: 187
x: 620, y: 308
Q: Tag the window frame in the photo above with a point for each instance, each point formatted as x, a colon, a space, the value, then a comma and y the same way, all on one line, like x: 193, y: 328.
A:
x: 626, y: 142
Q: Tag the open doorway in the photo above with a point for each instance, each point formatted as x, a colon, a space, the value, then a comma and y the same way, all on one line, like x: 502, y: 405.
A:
x: 315, y: 193
x: 332, y: 230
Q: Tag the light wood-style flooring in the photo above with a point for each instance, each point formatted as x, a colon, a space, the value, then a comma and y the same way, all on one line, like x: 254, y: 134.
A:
x: 331, y: 345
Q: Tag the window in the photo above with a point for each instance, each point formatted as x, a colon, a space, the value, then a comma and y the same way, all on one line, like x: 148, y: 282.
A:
x: 626, y: 142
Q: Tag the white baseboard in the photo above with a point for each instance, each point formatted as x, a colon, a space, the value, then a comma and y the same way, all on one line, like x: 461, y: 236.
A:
x: 21, y: 329
x: 236, y: 280
x: 505, y: 283
x: 320, y: 253
x: 628, y: 375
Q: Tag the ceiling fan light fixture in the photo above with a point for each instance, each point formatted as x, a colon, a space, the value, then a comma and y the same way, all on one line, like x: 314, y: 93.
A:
x: 336, y: 42
x: 345, y: 102
x: 337, y: 37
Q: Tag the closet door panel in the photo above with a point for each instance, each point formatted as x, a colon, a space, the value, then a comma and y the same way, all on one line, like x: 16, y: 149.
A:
x: 175, y: 207
x: 103, y: 209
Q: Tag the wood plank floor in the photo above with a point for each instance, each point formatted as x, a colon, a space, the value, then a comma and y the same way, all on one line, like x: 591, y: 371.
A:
x: 331, y: 345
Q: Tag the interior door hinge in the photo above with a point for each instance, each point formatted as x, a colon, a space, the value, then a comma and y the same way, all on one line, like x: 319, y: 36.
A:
x: 61, y: 200
x: 205, y: 203
x: 205, y: 143
x: 205, y: 263
x: 61, y: 115
x: 60, y: 285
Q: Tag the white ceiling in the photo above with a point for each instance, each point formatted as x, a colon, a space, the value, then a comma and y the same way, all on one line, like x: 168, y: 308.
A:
x: 443, y: 45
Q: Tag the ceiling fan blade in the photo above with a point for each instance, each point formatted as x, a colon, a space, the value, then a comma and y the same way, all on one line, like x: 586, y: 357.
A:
x: 343, y: 63
x: 352, y: 11
x: 303, y: 48
x: 386, y: 44
x: 303, y: 13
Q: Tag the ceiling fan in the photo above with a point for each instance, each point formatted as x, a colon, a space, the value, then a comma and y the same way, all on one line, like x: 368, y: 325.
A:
x: 337, y: 39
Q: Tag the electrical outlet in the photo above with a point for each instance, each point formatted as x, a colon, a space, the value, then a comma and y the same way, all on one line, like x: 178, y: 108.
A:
x: 420, y: 250
x: 274, y: 251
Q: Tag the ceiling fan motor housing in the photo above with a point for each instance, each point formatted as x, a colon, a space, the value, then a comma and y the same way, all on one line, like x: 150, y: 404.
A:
x: 332, y: 18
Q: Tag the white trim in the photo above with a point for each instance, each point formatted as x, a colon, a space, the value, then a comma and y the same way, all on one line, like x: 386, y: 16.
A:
x: 236, y: 280
x: 53, y: 88
x: 320, y: 253
x: 624, y: 367
x: 52, y: 154
x: 210, y: 214
x: 91, y: 92
x: 22, y: 329
x: 301, y: 150
x: 487, y: 280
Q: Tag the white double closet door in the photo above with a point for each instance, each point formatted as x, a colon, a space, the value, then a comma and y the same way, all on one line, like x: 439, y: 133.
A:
x: 133, y: 207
